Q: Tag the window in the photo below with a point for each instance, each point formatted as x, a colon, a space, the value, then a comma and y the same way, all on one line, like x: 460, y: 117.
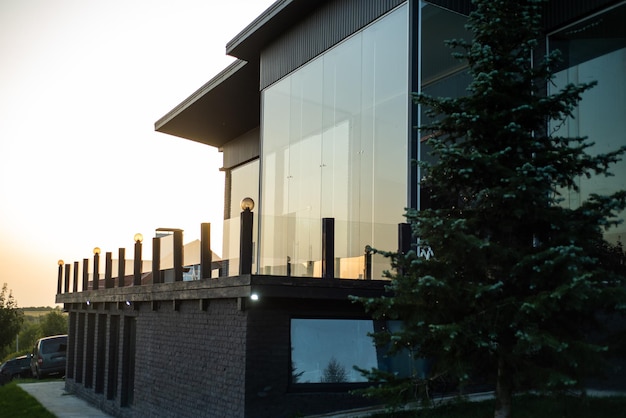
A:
x: 335, y: 135
x: 595, y: 49
x: 326, y: 351
x: 442, y: 75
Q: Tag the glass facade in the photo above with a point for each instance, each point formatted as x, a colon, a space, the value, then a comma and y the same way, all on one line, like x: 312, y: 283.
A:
x: 244, y: 183
x: 595, y: 49
x: 335, y: 140
x: 441, y: 74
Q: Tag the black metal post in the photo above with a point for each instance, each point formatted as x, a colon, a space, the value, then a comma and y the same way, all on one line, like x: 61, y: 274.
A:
x: 404, y: 242
x: 328, y: 248
x: 137, y: 264
x: 245, y: 242
x: 60, y: 277
x: 67, y: 278
x: 75, y: 284
x: 404, y: 238
x: 85, y: 274
x: 121, y: 267
x: 156, y: 260
x: 368, y: 262
x: 205, y: 250
x: 96, y: 271
x: 178, y: 255
x: 108, y: 270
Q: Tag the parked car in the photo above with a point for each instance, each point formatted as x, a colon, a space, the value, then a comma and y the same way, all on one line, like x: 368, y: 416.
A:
x: 49, y: 356
x: 15, y: 367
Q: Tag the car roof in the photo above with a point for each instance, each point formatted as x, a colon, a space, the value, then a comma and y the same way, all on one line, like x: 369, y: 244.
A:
x: 53, y: 337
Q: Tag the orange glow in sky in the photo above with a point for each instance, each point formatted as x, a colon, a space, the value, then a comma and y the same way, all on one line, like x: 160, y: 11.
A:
x: 81, y: 84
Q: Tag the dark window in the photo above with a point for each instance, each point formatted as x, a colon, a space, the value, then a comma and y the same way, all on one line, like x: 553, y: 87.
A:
x: 56, y: 345
x: 327, y: 350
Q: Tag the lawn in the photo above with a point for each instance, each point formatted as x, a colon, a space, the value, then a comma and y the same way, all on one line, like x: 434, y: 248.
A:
x: 526, y: 406
x: 15, y: 403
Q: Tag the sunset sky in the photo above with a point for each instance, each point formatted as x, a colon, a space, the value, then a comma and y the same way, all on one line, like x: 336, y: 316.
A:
x: 81, y: 84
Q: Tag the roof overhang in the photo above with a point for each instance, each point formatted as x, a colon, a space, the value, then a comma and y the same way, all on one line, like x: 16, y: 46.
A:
x: 224, y: 108
x: 277, y: 19
x: 229, y: 104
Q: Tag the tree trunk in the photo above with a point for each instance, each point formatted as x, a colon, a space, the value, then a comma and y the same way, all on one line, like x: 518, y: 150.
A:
x: 504, y: 390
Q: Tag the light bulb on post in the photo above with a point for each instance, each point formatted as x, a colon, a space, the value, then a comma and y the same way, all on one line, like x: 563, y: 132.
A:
x: 137, y: 260
x: 96, y: 250
x: 245, y: 236
x: 247, y: 204
x: 60, y: 277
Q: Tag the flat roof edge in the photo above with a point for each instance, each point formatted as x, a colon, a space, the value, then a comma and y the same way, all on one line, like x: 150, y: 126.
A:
x: 207, y: 87
x: 257, y: 23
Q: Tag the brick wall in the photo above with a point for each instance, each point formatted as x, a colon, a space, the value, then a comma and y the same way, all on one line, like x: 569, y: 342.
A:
x: 189, y: 360
x: 212, y: 353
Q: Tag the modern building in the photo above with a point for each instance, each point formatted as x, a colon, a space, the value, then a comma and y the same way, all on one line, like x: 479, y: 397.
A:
x: 316, y: 125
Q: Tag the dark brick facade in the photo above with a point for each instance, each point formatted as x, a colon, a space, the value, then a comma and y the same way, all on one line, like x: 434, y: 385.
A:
x: 202, y: 349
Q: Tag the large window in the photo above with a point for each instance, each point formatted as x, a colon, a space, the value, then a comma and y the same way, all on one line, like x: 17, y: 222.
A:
x: 595, y: 49
x: 327, y: 351
x: 442, y: 75
x: 335, y: 146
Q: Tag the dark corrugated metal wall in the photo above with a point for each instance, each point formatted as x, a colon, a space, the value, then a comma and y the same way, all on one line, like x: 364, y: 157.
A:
x: 326, y: 27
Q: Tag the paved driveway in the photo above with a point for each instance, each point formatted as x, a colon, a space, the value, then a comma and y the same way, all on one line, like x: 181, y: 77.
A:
x: 54, y: 398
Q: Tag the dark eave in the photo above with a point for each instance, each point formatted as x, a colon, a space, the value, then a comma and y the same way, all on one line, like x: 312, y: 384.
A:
x: 229, y: 104
x: 276, y: 20
x: 222, y: 109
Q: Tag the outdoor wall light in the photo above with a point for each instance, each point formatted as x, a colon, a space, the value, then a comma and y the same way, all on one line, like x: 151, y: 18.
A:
x: 245, y: 235
x: 254, y: 296
x: 96, y: 250
x: 88, y: 302
x: 138, y: 237
x: 128, y: 303
x: 247, y: 203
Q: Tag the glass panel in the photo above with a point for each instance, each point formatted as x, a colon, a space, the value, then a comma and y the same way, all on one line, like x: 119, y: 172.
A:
x: 244, y: 183
x: 276, y: 114
x: 442, y: 75
x: 335, y: 145
x: 437, y: 26
x: 595, y: 49
x: 384, y: 159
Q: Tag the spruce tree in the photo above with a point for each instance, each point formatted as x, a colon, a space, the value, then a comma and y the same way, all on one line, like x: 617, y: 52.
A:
x: 517, y: 281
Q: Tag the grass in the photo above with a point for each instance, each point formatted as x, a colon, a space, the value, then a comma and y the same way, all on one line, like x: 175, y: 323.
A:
x: 16, y: 403
x: 527, y: 406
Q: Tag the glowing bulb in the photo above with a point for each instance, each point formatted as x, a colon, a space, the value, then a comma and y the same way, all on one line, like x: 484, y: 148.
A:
x: 247, y: 203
